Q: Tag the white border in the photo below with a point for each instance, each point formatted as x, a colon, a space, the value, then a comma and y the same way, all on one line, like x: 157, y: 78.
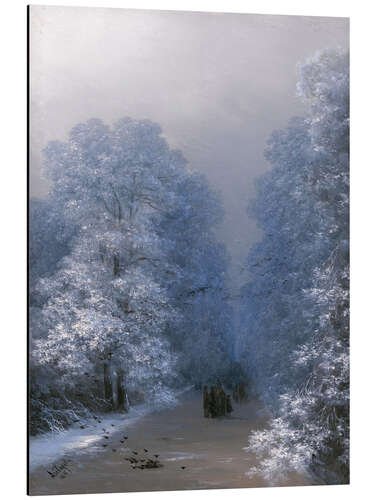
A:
x: 13, y: 206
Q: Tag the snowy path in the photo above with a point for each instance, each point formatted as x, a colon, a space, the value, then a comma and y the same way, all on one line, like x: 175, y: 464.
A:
x: 195, y: 453
x: 52, y: 446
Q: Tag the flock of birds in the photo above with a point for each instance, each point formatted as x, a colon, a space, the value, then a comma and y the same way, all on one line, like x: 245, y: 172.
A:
x: 138, y: 460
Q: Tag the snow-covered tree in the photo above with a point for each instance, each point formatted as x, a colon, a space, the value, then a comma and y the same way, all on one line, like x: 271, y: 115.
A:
x: 296, y: 308
x: 123, y: 306
x: 202, y: 336
x: 101, y: 322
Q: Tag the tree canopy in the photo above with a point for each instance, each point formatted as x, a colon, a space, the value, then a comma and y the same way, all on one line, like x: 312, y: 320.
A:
x: 296, y: 306
x: 133, y: 281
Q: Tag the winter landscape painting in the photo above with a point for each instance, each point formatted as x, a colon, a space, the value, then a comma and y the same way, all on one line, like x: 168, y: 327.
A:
x: 188, y: 250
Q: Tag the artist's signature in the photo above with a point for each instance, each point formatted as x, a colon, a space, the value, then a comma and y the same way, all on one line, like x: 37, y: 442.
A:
x: 60, y: 469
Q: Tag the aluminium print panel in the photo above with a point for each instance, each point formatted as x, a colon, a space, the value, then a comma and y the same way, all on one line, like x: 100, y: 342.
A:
x: 188, y: 250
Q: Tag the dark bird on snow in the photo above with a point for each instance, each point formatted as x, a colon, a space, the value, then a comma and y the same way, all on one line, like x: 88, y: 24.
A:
x: 113, y: 425
x: 96, y: 418
x: 99, y: 421
x: 125, y: 437
x: 82, y: 426
x: 145, y: 450
x: 106, y: 437
x: 122, y: 441
x: 156, y: 456
x: 104, y: 445
x: 183, y: 467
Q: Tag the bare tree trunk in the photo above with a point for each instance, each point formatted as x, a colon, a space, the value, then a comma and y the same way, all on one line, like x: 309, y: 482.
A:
x: 122, y: 397
x: 116, y: 265
x: 206, y: 402
x: 108, y: 390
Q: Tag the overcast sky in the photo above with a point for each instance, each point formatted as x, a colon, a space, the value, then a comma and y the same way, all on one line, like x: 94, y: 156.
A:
x: 218, y: 84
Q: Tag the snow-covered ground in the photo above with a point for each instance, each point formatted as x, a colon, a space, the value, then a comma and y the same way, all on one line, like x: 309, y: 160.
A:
x: 50, y: 447
x: 46, y: 449
x: 196, y: 453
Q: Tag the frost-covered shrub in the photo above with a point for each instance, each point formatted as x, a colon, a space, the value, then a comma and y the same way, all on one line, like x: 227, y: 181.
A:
x: 55, y: 404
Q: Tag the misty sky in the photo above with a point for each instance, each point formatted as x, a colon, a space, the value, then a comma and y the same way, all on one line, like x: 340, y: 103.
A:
x: 218, y: 84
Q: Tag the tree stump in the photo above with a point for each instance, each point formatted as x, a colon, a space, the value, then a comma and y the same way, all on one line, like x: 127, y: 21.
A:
x: 216, y: 403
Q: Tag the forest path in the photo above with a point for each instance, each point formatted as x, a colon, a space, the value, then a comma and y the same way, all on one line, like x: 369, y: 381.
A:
x: 210, y: 450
